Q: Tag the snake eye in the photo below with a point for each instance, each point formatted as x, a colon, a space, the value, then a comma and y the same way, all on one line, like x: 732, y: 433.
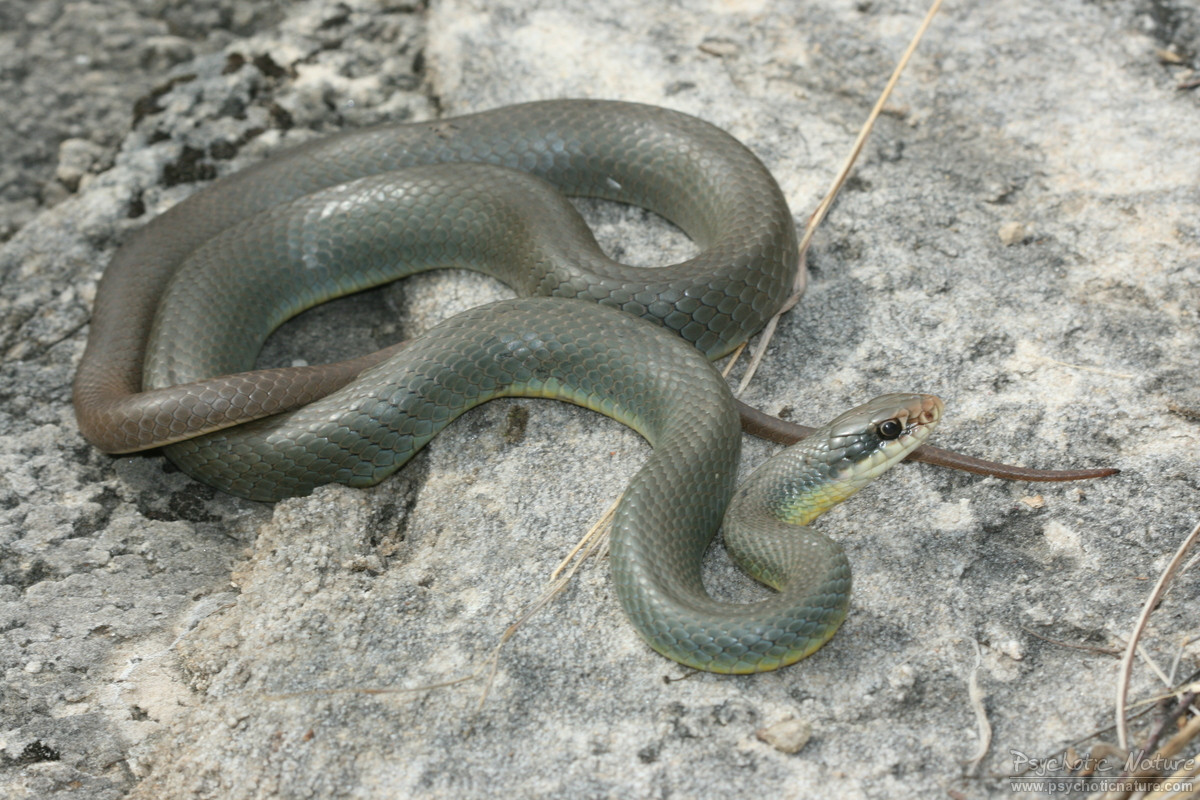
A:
x: 890, y: 429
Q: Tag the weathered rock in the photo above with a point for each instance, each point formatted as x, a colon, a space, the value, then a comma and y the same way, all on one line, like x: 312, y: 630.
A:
x: 161, y: 640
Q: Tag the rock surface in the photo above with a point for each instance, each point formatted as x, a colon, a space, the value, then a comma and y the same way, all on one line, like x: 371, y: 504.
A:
x: 1021, y: 236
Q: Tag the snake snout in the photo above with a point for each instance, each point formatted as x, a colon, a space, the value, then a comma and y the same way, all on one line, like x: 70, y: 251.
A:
x: 931, y: 410
x: 917, y: 415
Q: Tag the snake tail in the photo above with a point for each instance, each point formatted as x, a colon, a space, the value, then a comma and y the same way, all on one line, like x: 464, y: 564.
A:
x: 765, y: 426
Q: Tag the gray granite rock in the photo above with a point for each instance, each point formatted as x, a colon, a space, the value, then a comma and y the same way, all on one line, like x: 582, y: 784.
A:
x: 1020, y: 237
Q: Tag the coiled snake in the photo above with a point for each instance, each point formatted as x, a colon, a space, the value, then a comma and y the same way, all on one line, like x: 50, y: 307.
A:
x: 194, y: 294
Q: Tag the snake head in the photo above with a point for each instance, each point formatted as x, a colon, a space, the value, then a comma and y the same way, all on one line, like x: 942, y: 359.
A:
x: 837, y: 460
x: 866, y: 441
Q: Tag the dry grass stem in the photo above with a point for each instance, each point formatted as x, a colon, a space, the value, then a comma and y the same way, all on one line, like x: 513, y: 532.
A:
x: 981, y: 719
x: 1127, y: 660
x: 818, y: 216
x: 593, y: 540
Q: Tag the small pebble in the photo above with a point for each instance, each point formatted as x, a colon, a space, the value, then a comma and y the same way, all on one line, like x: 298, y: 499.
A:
x: 1012, y: 233
x: 788, y: 736
x: 723, y: 48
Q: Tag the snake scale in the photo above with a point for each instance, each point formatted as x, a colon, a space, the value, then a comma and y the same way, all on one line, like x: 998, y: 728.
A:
x: 195, y: 293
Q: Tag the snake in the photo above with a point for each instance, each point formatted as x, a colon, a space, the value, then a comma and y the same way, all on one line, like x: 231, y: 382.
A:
x: 185, y: 305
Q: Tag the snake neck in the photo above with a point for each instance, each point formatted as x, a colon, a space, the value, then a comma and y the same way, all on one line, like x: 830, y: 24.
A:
x: 764, y: 527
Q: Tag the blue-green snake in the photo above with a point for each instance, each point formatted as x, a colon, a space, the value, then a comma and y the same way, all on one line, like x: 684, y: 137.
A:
x: 194, y: 294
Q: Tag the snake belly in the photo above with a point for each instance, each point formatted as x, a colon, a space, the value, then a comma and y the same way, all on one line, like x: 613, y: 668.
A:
x: 195, y: 294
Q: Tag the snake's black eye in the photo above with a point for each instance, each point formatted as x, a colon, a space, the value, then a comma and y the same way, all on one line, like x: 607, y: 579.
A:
x: 890, y: 429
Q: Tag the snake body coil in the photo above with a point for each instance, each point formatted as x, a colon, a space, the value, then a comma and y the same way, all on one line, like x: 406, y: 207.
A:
x: 198, y: 290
